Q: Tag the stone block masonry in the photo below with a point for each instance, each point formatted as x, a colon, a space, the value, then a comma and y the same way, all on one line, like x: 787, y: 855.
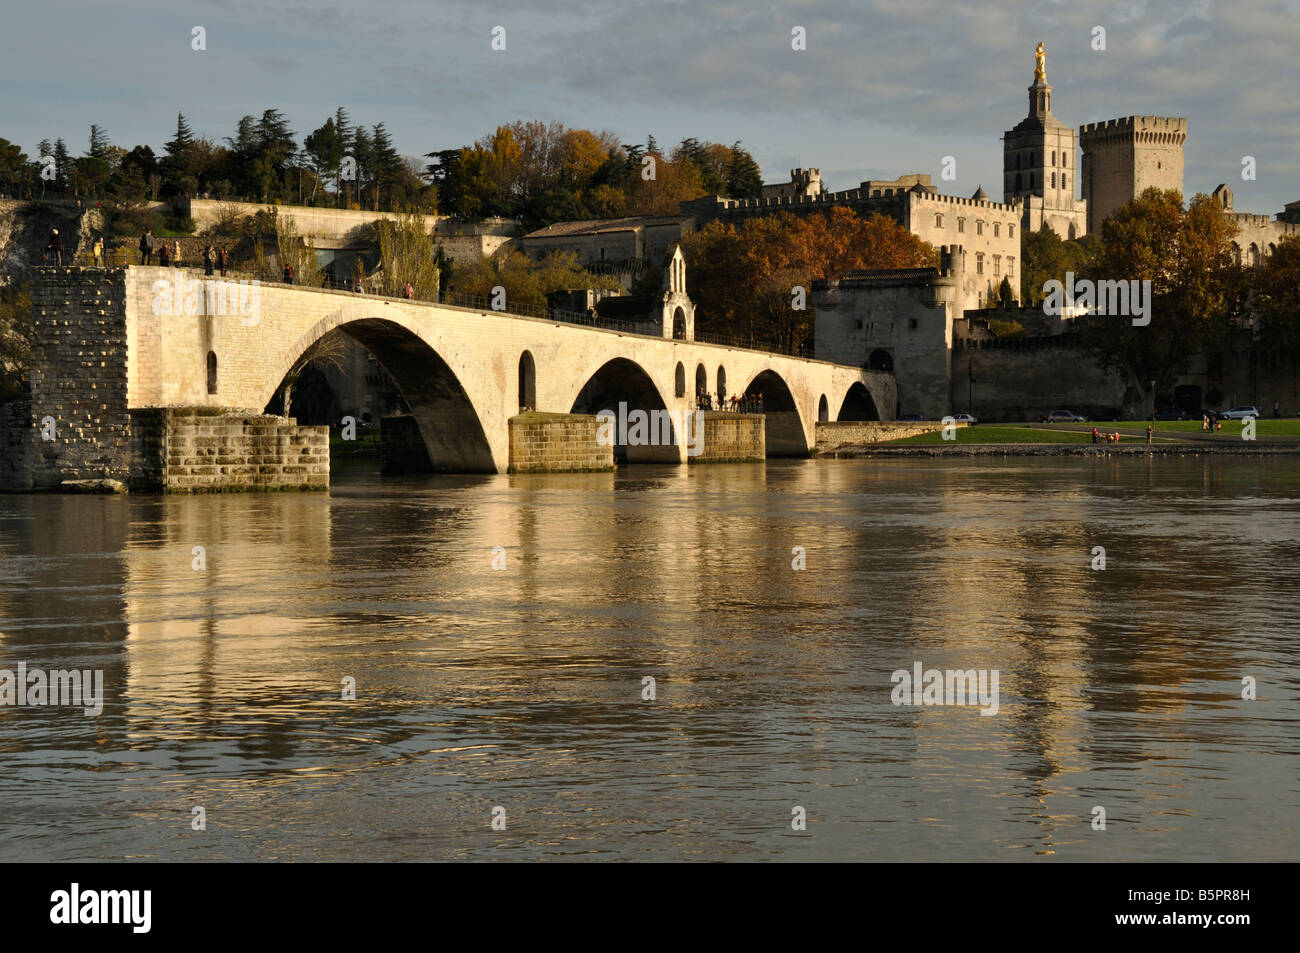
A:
x: 557, y: 443
x: 189, y: 450
x: 731, y: 438
x: 831, y: 435
x: 79, y: 375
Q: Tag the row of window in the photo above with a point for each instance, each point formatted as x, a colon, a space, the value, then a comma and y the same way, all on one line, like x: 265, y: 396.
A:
x: 1253, y: 253
x: 1065, y: 184
x: 997, y: 265
x: 1065, y: 162
x: 979, y: 226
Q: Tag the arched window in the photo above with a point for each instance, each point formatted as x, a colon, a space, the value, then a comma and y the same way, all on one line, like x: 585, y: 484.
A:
x: 701, y: 381
x: 1065, y: 160
x: 681, y: 380
x: 1053, y: 157
x: 1064, y: 184
x: 679, y: 325
x: 1073, y: 233
x: 823, y: 410
x: 527, y: 383
x: 212, y: 372
x: 722, y: 382
x: 1053, y: 180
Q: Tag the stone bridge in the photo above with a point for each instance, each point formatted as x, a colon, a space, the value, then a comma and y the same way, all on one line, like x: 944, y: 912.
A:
x: 117, y: 341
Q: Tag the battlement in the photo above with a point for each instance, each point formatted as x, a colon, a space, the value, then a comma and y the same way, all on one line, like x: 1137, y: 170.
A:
x: 1263, y: 221
x: 777, y: 202
x: 1010, y: 207
x: 1134, y: 126
x: 952, y: 260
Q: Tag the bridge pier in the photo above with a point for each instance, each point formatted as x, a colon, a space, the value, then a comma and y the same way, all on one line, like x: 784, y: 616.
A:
x: 113, y: 343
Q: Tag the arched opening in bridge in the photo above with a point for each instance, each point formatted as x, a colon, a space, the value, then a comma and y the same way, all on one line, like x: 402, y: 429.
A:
x: 701, y: 381
x: 722, y: 383
x: 623, y: 389
x: 680, y: 381
x: 880, y: 360
x: 376, y: 370
x: 782, y: 426
x: 527, y: 382
x: 823, y: 410
x: 679, y: 325
x: 858, y: 404
x: 212, y: 372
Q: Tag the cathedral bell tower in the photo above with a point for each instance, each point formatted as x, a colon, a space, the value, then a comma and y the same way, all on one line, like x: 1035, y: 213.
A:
x: 1038, y: 158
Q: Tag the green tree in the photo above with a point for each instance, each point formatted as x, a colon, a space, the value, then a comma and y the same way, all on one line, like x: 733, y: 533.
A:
x: 744, y: 179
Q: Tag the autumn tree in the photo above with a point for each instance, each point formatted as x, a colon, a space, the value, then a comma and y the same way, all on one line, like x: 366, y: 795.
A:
x: 526, y: 281
x: 406, y: 252
x: 1185, y: 255
x: 743, y: 279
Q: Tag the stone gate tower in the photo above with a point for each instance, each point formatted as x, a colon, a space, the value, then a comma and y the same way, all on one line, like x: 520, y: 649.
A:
x: 1124, y: 157
x: 1038, y: 164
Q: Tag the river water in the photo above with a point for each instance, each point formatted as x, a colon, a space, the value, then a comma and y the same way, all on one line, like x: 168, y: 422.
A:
x: 522, y: 688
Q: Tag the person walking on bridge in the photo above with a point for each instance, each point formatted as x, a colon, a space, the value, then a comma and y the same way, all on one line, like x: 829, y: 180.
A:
x: 147, y: 244
x: 223, y: 259
x: 55, y: 247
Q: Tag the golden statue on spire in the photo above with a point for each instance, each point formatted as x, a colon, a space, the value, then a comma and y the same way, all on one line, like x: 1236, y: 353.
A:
x: 1040, y: 64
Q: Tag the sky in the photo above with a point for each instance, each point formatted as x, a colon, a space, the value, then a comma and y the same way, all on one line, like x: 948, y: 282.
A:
x: 884, y: 87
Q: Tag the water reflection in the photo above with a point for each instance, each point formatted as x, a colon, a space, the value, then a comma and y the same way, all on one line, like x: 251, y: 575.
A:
x: 523, y: 686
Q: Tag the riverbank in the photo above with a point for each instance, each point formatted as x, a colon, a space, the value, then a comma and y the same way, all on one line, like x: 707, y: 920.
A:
x: 954, y: 449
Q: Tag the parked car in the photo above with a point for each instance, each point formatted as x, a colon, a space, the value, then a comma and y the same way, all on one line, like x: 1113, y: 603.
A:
x: 1065, y: 417
x: 966, y: 419
x: 1173, y: 415
x: 911, y: 417
x: 1240, y: 413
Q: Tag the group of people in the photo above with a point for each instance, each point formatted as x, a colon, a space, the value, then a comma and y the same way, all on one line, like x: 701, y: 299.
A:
x: 1211, y: 426
x: 1099, y: 437
x: 736, y: 402
x: 215, y: 257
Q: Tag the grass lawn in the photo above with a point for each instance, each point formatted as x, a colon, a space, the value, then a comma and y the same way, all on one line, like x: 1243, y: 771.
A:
x: 1265, y: 427
x: 1003, y: 433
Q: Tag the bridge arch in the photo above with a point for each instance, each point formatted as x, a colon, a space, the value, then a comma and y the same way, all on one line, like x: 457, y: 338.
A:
x: 783, y: 429
x: 858, y: 404
x: 621, y: 381
x: 449, y: 423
